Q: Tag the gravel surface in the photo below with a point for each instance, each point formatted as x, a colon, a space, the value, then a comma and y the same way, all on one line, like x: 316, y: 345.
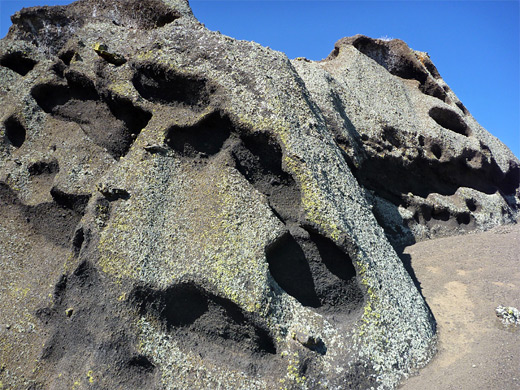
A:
x: 464, y: 279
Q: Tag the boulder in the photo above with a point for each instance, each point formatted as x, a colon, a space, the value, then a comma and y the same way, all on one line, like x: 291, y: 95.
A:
x: 185, y: 210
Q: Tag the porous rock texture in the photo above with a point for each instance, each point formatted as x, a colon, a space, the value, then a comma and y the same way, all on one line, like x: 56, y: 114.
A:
x: 182, y: 210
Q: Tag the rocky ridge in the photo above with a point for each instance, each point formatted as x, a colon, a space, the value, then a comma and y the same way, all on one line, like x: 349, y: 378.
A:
x: 185, y: 210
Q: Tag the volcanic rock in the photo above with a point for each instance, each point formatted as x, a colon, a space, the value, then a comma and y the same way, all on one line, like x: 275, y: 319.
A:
x: 184, y: 210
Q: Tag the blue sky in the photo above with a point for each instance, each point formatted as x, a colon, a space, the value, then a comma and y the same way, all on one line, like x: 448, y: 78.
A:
x: 474, y: 44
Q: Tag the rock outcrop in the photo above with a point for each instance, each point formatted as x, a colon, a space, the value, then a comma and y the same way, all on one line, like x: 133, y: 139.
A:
x: 184, y: 210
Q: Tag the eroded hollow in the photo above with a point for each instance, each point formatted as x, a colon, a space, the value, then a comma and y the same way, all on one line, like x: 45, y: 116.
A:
x: 391, y: 135
x: 110, y: 121
x: 462, y: 107
x: 14, y: 131
x: 290, y: 268
x: 143, y: 14
x: 18, y: 62
x: 201, y: 140
x: 50, y: 220
x: 471, y: 204
x: 43, y: 168
x: 162, y: 85
x: 76, y: 202
x: 396, y: 57
x: 449, y: 120
x: 315, y: 271
x: 214, y: 327
x: 437, y: 151
x: 258, y: 157
x: 82, y: 311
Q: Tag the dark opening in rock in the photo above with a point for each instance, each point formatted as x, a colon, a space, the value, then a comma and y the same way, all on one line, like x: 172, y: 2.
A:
x: 141, y: 362
x: 437, y: 151
x: 214, y: 327
x: 463, y: 218
x: 67, y: 56
x: 204, y: 139
x: 290, y: 268
x: 77, y: 241
x: 471, y: 205
x: 111, y: 122
x: 511, y: 180
x: 449, y: 120
x: 74, y: 202
x: 18, y: 62
x: 316, y: 272
x: 462, y: 107
x: 258, y: 157
x: 390, y: 134
x: 159, y: 84
x: 14, y: 131
x: 43, y: 168
x: 440, y: 214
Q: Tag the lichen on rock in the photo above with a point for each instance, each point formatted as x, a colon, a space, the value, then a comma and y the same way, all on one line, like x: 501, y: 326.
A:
x: 185, y: 210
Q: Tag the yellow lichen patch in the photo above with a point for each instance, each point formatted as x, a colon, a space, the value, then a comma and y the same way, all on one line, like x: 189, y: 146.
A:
x: 90, y: 376
x: 122, y: 88
x: 184, y: 221
x: 311, y: 201
x: 292, y: 378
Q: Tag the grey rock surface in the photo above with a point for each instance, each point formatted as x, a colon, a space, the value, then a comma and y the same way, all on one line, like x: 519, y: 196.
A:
x: 428, y: 167
x: 178, y: 209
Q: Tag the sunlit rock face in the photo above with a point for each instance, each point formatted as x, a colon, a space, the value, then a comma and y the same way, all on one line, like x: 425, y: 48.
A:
x: 184, y: 210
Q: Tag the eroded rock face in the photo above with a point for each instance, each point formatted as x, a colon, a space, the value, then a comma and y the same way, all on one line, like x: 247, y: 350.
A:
x: 428, y: 167
x: 184, y: 210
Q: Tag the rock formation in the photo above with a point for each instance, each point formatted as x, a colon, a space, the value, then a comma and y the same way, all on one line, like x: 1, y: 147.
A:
x: 182, y: 210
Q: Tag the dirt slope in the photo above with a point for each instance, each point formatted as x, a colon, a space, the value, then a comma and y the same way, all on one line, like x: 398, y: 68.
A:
x: 464, y: 279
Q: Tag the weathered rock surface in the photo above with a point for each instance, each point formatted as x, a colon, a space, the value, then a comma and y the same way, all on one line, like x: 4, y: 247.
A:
x: 184, y: 210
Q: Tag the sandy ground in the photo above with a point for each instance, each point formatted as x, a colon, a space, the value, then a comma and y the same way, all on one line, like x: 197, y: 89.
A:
x: 464, y: 279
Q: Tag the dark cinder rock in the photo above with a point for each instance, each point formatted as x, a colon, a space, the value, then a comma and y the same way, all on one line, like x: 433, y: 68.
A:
x: 184, y: 210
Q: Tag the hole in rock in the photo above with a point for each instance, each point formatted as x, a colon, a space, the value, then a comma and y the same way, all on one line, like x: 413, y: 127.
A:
x: 141, y: 362
x: 67, y: 56
x: 18, y: 62
x: 440, y: 214
x: 426, y: 211
x: 161, y: 85
x: 511, y: 180
x: 14, y: 131
x: 77, y: 241
x: 316, y: 272
x: 396, y: 58
x: 289, y: 267
x: 111, y: 122
x: 43, y: 168
x: 471, y: 205
x: 437, y: 151
x: 390, y: 134
x: 462, y: 108
x: 258, y: 157
x: 463, y: 218
x: 54, y: 222
x: 431, y: 88
x: 214, y: 327
x: 449, y: 120
x: 203, y: 139
x: 76, y: 202
x: 144, y: 14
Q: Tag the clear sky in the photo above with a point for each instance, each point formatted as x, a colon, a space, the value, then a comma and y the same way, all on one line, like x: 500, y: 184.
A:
x: 474, y: 44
